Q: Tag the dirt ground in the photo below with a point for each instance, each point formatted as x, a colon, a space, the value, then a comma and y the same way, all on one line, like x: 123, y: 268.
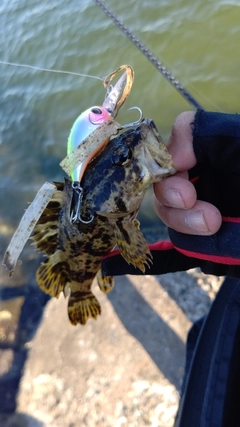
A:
x: 125, y: 369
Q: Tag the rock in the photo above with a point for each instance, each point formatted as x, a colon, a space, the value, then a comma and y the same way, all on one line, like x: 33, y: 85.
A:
x: 125, y: 369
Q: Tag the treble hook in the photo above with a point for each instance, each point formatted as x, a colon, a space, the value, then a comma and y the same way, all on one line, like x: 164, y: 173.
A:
x: 77, y: 216
x: 137, y: 122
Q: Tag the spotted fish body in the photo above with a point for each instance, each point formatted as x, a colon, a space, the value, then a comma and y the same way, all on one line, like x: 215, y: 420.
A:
x: 74, y: 252
x: 114, y: 185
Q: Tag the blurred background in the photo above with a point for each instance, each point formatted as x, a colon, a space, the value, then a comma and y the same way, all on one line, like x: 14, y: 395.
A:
x: 199, y: 42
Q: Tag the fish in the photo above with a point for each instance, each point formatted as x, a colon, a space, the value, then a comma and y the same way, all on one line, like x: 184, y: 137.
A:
x: 113, y: 186
x: 76, y: 223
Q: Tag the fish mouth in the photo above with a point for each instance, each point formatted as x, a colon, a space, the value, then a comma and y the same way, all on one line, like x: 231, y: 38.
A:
x: 115, y: 215
x: 157, y: 170
x: 156, y: 164
x: 163, y: 172
x: 154, y: 154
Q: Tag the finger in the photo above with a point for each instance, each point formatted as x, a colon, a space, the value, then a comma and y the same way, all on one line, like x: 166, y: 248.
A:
x: 176, y: 192
x: 181, y: 141
x: 203, y: 219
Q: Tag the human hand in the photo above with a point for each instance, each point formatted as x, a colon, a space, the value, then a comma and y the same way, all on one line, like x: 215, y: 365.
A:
x: 206, y: 148
x: 175, y: 198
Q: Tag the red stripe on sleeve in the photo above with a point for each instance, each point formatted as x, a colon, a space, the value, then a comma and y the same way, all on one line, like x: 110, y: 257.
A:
x: 207, y: 257
x: 231, y: 219
x: 163, y: 245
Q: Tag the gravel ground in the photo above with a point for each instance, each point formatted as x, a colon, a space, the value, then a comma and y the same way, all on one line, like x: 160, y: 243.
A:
x: 125, y: 369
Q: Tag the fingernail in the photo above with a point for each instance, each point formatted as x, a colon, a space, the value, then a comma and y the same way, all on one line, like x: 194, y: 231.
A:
x: 196, y: 221
x: 174, y: 198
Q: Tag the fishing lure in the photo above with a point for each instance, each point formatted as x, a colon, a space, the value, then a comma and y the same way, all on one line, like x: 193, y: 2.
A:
x: 92, y: 118
x: 89, y: 121
x: 85, y: 124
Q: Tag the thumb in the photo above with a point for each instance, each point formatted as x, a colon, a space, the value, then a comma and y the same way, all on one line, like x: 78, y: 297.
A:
x: 180, y: 143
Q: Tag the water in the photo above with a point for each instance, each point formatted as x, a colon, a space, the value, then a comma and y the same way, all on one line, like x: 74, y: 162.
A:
x: 198, y: 41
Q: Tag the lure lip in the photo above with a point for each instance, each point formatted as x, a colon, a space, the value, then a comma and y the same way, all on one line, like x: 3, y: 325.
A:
x: 110, y: 102
x: 117, y: 94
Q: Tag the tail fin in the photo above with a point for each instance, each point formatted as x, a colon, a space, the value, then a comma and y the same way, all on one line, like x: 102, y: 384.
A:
x: 81, y: 306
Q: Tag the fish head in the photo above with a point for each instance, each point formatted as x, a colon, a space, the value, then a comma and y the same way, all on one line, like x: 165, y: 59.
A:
x: 116, y: 181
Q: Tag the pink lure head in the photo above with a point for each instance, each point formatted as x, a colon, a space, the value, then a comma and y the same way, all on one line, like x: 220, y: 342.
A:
x: 98, y: 115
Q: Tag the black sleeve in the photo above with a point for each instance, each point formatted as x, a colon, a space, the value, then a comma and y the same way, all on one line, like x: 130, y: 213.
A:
x: 216, y: 142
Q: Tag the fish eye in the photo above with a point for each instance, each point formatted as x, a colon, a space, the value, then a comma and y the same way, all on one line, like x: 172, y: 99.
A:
x: 96, y: 110
x: 122, y: 156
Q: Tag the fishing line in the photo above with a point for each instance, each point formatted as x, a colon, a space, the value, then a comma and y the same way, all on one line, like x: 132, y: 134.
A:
x: 150, y: 56
x: 50, y: 70
x: 204, y: 97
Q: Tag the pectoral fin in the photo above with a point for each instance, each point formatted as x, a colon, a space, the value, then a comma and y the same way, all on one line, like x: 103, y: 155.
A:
x: 132, y: 244
x: 50, y: 276
x: 105, y: 283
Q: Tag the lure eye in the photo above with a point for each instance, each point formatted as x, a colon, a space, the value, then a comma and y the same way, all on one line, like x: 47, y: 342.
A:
x: 98, y: 115
x: 122, y: 156
x: 96, y: 110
